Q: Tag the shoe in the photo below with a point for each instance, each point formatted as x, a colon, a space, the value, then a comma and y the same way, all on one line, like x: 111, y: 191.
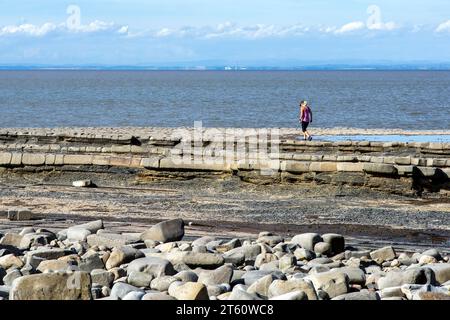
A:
x: 310, y: 138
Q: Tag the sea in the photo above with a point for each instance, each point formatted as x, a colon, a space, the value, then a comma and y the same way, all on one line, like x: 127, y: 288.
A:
x: 410, y: 100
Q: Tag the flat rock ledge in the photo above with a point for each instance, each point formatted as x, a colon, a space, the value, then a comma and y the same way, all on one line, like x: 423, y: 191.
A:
x: 265, y: 156
x: 87, y: 262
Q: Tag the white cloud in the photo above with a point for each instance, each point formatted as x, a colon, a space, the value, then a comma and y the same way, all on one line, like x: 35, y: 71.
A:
x: 164, y: 32
x: 95, y: 26
x: 444, y: 27
x: 28, y: 29
x: 359, y: 25
x: 123, y: 30
x: 220, y: 31
x: 388, y: 26
x: 228, y: 29
x: 350, y: 27
x: 48, y: 28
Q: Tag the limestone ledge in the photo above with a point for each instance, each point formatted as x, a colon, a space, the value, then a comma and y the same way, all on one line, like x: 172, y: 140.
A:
x: 391, y: 166
x: 179, y: 149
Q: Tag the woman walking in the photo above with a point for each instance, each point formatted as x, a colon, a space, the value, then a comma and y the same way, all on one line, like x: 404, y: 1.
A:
x: 305, y: 119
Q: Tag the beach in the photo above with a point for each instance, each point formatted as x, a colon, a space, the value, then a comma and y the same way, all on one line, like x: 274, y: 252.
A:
x: 222, y: 214
x: 402, y: 197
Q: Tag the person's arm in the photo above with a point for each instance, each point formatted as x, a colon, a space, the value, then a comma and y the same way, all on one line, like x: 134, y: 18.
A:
x: 301, y: 114
x: 311, y: 114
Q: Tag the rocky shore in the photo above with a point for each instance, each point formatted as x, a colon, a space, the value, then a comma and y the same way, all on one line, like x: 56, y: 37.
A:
x: 260, y: 156
x: 89, y: 262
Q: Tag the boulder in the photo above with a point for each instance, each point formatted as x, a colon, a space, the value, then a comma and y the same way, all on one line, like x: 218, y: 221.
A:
x: 218, y: 276
x: 303, y: 254
x: 357, y: 254
x: 11, y: 239
x: 322, y: 248
x: 263, y: 258
x: 252, y: 276
x: 121, y: 289
x: 324, y: 262
x: 227, y: 246
x: 4, y: 292
x: 166, y: 231
x: 270, y: 240
x: 195, y: 259
x: 90, y: 262
x: 425, y: 259
x: 433, y: 253
x: 217, y: 290
x: 336, y: 241
x: 118, y: 273
x: 432, y: 296
x: 77, y: 234
x: 150, y: 244
x: 212, y: 245
x: 162, y: 283
x: 92, y: 226
x: 187, y: 276
x: 157, y: 296
x: 27, y: 230
x: 52, y: 265
x: 441, y: 272
x: 109, y: 240
x: 287, y: 261
x: 245, y: 254
x: 203, y: 241
x: 36, y: 239
x: 9, y: 261
x: 261, y: 286
x: 391, y: 292
x: 271, y: 266
x: 355, y: 275
x: 396, y: 278
x: 383, y: 254
x: 307, y: 240
x: 280, y: 287
x: 291, y: 296
x: 406, y: 260
x: 239, y: 293
x: 122, y: 255
x: 188, y: 291
x: 332, y: 283
x: 152, y: 265
x: 414, y: 291
x: 102, y: 277
x: 140, y: 279
x: 47, y: 254
x: 360, y: 296
x: 9, y: 278
x: 82, y: 183
x: 134, y: 295
x: 52, y: 286
x: 19, y: 215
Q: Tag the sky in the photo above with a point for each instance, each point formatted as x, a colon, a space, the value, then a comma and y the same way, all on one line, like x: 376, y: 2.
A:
x: 237, y: 32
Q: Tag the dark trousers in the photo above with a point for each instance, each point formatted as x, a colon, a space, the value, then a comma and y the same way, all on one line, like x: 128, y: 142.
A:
x: 305, y: 126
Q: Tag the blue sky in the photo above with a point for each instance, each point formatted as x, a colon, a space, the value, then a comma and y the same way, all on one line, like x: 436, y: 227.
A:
x: 264, y: 32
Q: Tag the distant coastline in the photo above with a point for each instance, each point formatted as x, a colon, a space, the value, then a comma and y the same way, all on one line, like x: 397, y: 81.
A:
x: 233, y: 68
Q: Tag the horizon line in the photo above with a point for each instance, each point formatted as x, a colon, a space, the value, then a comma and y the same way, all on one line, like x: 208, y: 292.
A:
x: 229, y: 68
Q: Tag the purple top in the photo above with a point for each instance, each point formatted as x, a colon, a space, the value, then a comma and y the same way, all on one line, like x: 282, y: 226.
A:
x: 307, y: 115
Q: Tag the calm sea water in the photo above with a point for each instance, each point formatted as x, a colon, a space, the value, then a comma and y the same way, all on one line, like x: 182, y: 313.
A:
x: 365, y: 99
